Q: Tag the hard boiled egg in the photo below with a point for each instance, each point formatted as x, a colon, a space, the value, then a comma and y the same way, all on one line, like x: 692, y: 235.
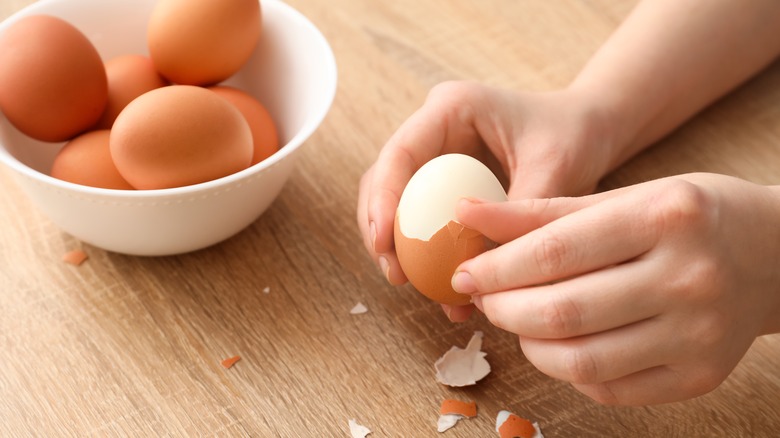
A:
x: 429, y: 241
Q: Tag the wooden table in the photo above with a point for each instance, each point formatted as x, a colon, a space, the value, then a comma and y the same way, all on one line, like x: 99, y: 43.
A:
x: 130, y: 346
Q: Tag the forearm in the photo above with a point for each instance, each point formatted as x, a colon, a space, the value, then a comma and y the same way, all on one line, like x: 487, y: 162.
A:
x: 670, y: 59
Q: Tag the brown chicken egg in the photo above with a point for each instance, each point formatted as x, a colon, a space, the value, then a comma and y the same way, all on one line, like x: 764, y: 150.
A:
x: 264, y: 135
x: 202, y: 42
x: 177, y: 136
x: 52, y: 82
x: 129, y: 76
x: 429, y: 241
x: 86, y: 160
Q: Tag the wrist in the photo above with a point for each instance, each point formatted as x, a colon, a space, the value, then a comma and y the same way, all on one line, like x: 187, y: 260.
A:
x: 609, y: 125
x: 620, y: 123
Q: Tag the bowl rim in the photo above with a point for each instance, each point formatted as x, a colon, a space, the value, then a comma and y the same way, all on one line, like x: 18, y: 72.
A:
x: 313, y: 121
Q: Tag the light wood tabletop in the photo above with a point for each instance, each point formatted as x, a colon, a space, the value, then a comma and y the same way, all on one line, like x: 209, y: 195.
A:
x: 131, y: 346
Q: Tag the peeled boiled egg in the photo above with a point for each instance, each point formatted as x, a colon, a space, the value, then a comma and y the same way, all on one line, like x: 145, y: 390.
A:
x: 179, y: 135
x: 129, y: 76
x: 264, y: 135
x: 86, y: 160
x: 429, y: 241
x: 202, y: 42
x: 52, y: 82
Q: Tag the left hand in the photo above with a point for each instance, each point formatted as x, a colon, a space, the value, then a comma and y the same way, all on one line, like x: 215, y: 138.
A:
x: 645, y: 294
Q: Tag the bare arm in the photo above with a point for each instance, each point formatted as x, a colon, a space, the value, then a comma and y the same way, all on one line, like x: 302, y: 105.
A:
x: 671, y: 58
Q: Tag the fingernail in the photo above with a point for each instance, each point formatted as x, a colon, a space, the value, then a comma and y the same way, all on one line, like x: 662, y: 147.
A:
x: 372, y: 234
x: 463, y: 283
x: 447, y: 311
x: 385, y: 267
x: 476, y: 300
x: 473, y: 200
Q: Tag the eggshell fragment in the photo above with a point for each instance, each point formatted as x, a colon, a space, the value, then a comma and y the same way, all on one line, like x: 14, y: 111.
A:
x: 177, y: 136
x: 463, y: 367
x: 203, y: 42
x: 429, y: 241
x: 52, y: 82
x: 86, y: 160
x: 264, y: 134
x: 358, y: 309
x: 509, y: 425
x: 457, y: 407
x: 453, y: 411
x: 75, y: 257
x: 358, y: 430
x: 229, y: 362
x: 447, y: 422
x: 129, y: 76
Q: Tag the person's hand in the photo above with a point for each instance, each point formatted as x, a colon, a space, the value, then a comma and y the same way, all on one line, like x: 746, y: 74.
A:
x: 646, y: 294
x: 545, y: 144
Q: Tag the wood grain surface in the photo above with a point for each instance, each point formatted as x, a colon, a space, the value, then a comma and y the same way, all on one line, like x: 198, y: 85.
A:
x: 131, y: 346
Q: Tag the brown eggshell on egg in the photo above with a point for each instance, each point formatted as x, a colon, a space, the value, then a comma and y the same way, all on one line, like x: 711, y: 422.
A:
x: 52, y: 82
x: 86, y: 160
x: 203, y: 42
x: 179, y: 135
x: 429, y: 241
x: 264, y: 134
x: 430, y: 265
x: 129, y: 76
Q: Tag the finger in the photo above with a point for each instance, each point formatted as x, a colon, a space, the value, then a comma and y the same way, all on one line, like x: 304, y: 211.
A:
x: 661, y: 384
x: 605, y: 234
x: 388, y: 262
x: 592, y: 303
x: 367, y: 228
x: 457, y: 313
x: 604, y: 356
x: 392, y: 268
x: 502, y: 222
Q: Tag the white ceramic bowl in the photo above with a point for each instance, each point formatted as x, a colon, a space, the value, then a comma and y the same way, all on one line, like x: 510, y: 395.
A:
x: 293, y: 72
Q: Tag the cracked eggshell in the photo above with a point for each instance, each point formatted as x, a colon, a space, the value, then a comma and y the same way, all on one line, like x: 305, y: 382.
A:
x: 429, y: 241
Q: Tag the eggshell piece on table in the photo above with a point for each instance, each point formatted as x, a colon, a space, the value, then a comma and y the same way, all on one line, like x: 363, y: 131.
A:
x: 452, y: 411
x: 177, y: 136
x: 457, y: 407
x: 357, y: 430
x: 203, y: 42
x: 264, y: 134
x: 86, y: 160
x: 129, y: 76
x: 447, y: 422
x: 509, y: 425
x: 429, y: 241
x: 75, y: 257
x: 358, y: 309
x: 52, y: 82
x: 463, y: 366
x: 229, y: 362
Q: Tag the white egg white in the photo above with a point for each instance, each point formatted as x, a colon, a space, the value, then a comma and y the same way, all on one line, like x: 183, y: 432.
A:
x: 429, y: 199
